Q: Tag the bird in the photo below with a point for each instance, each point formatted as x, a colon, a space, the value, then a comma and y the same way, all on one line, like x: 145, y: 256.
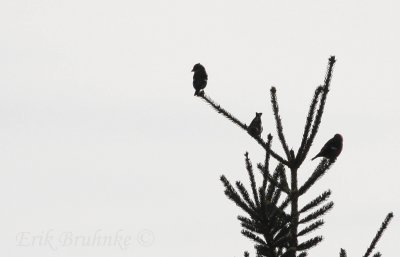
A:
x: 200, y: 78
x: 332, y: 148
x: 255, y: 128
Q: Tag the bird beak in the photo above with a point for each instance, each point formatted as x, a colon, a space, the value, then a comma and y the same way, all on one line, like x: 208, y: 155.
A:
x: 192, y: 69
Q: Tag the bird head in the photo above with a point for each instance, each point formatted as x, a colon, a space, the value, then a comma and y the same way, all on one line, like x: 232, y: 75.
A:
x: 258, y: 114
x: 197, y: 67
x: 338, y: 137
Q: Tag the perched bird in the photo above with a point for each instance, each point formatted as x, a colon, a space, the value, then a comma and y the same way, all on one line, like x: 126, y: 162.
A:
x: 255, y: 128
x: 200, y: 78
x: 332, y: 148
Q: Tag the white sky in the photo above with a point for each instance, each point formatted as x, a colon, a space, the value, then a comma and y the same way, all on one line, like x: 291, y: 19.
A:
x: 100, y: 130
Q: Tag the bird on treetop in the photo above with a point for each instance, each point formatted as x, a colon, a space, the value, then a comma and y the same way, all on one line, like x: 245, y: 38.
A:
x: 200, y: 78
x: 332, y: 148
x: 255, y: 128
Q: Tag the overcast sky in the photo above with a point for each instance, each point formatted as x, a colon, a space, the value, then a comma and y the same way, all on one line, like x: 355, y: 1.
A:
x: 100, y: 134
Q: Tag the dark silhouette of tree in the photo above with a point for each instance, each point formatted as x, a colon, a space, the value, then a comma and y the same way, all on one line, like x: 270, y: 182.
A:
x: 275, y: 230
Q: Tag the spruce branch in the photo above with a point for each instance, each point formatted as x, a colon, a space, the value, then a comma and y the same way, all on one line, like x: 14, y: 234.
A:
x: 246, y: 254
x: 309, y: 121
x: 285, y: 203
x: 274, y: 182
x: 378, y: 254
x: 263, y: 200
x: 245, y: 195
x: 343, y: 253
x: 250, y: 225
x: 225, y: 113
x: 261, y: 142
x: 321, y: 169
x: 318, y: 213
x: 309, y: 243
x: 283, y: 180
x: 378, y: 235
x: 281, y: 208
x: 265, y: 169
x: 253, y: 237
x: 278, y: 122
x: 303, y: 254
x: 314, y: 203
x: 311, y: 228
x: 249, y: 168
x: 280, y: 169
x: 320, y: 110
x: 245, y: 219
x: 276, y: 196
x: 282, y: 184
x: 231, y: 193
x: 282, y: 234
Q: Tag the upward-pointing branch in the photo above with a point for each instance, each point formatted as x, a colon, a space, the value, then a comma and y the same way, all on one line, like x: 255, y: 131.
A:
x: 309, y: 121
x: 379, y: 234
x: 265, y: 170
x: 225, y: 113
x: 318, y: 117
x: 278, y: 121
x: 249, y: 168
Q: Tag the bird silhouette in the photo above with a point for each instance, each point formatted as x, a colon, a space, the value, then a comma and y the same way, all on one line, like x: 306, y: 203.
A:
x: 255, y: 128
x: 200, y: 78
x: 332, y: 148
